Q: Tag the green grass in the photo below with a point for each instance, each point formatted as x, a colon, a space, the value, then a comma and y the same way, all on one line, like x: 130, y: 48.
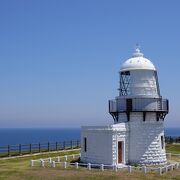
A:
x: 17, y: 168
x: 173, y: 148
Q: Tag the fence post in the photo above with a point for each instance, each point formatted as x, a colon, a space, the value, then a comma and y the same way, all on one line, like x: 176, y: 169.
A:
x: 48, y: 146
x: 160, y: 171
x: 19, y: 149
x: 66, y: 158
x: 102, y: 167
x: 31, y: 163
x: 176, y: 166
x: 56, y: 146
x: 115, y: 168
x: 64, y: 145
x: 73, y: 156
x: 8, y: 150
x: 42, y: 163
x: 30, y: 149
x: 171, y: 168
x: 76, y: 165
x: 58, y: 159
x: 77, y: 143
x: 89, y: 166
x: 166, y: 169
x: 39, y: 147
x: 129, y: 169
x: 50, y: 160
x: 53, y: 164
x: 65, y: 165
x: 144, y: 169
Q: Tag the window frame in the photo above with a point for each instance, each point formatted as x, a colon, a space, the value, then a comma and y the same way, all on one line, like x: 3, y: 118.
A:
x: 162, y: 142
x: 85, y: 144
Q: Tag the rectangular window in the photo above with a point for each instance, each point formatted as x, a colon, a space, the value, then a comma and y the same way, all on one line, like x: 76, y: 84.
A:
x: 125, y: 83
x: 85, y: 144
x: 129, y: 105
x: 162, y: 142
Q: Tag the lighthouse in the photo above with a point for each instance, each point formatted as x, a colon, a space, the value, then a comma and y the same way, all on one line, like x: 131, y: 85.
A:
x: 137, y: 135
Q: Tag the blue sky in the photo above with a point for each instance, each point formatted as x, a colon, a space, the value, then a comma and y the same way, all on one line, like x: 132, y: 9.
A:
x: 59, y: 60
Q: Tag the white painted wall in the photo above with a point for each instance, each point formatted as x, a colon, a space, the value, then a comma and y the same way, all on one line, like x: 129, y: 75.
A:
x: 99, y: 145
x: 145, y: 139
x: 143, y: 82
x: 102, y: 143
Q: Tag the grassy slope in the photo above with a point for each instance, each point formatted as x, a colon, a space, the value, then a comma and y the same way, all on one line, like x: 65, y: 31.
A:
x: 18, y: 169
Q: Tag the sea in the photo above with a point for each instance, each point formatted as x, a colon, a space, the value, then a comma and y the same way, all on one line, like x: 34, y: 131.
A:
x: 13, y: 136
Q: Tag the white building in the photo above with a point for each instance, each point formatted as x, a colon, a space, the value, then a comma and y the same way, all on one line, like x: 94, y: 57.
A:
x: 137, y: 135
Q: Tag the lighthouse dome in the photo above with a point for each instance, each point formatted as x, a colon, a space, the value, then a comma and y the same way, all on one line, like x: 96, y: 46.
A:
x: 137, y: 62
x: 138, y: 77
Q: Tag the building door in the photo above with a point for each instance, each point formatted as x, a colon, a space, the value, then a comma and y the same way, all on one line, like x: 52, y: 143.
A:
x: 120, y: 151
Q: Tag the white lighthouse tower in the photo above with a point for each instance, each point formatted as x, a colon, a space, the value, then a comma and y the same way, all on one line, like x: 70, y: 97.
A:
x: 137, y: 135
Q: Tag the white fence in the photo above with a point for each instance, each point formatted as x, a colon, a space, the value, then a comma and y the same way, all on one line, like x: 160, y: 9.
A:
x: 50, y: 160
x: 61, y: 161
x: 170, y: 155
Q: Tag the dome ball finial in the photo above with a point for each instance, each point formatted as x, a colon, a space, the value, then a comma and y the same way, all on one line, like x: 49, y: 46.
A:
x: 137, y: 52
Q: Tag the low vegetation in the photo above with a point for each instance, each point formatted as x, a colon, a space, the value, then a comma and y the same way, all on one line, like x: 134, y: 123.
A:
x: 17, y: 168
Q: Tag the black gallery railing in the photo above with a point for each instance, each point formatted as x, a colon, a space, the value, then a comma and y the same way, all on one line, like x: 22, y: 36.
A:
x: 138, y: 104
